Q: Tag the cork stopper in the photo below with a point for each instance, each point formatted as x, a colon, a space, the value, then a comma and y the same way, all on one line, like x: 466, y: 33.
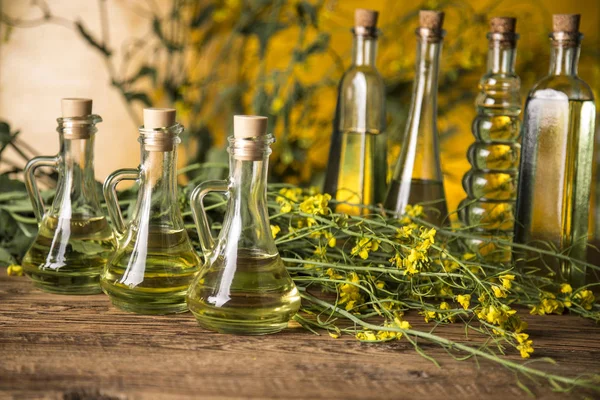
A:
x: 566, y: 22
x: 503, y: 25
x: 365, y: 18
x: 76, y: 107
x: 249, y: 126
x: 155, y: 118
x: 433, y: 20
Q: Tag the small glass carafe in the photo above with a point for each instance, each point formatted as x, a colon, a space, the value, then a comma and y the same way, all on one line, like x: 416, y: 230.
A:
x: 244, y: 287
x: 74, y: 239
x: 155, y: 262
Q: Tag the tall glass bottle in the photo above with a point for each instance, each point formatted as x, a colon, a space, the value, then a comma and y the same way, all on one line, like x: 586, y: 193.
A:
x: 244, y: 287
x: 356, y: 170
x: 491, y: 183
x: 556, y: 163
x: 154, y: 264
x: 74, y: 239
x: 418, y: 175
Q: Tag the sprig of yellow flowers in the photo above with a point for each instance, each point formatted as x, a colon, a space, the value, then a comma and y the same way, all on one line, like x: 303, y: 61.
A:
x: 379, y: 266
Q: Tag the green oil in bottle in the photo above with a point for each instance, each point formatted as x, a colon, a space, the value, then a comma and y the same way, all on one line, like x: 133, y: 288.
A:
x: 250, y: 293
x: 68, y: 254
x: 151, y: 271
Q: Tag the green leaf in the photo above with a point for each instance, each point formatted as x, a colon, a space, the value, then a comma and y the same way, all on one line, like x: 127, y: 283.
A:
x: 307, y: 13
x: 263, y: 30
x: 145, y: 70
x: 139, y: 96
x: 157, y: 29
x: 10, y: 185
x: 87, y: 247
x: 204, y: 15
x: 6, y: 258
x: 91, y: 40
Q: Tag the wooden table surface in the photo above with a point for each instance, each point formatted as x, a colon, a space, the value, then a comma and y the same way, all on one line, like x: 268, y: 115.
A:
x: 81, y: 347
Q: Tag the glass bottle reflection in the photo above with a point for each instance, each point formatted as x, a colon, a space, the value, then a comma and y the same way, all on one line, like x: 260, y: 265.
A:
x: 155, y: 261
x: 556, y: 165
x: 418, y: 175
x: 243, y: 287
x: 356, y: 169
x: 74, y: 239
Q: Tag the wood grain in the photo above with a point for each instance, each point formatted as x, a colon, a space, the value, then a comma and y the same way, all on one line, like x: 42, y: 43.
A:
x: 62, y: 347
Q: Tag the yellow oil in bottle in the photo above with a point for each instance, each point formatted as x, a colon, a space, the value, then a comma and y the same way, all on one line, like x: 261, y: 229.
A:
x: 248, y: 293
x: 360, y: 172
x: 428, y: 193
x: 151, y: 271
x: 68, y: 254
x: 556, y: 175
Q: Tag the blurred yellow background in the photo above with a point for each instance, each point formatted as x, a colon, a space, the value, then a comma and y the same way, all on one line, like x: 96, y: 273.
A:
x: 212, y: 59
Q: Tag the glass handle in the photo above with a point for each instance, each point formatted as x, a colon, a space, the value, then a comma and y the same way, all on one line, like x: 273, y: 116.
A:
x: 197, y: 203
x: 34, y: 193
x: 110, y: 195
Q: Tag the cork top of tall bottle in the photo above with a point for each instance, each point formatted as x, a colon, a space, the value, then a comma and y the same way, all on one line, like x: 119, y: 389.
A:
x: 430, y: 24
x: 565, y: 30
x: 503, y: 32
x: 365, y: 22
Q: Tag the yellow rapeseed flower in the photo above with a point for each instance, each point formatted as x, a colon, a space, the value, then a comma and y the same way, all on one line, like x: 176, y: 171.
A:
x: 14, y: 270
x: 566, y: 288
x: 428, y: 315
x: 464, y: 300
x: 364, y: 246
x: 320, y: 251
x: 525, y: 346
x: 429, y: 234
x: 412, y: 262
x: 349, y: 293
x: 332, y: 274
x: 507, y: 280
x: 586, y: 299
x: 275, y: 229
x: 414, y: 211
x: 331, y: 240
x: 366, y: 336
x: 404, y: 232
x: 499, y: 291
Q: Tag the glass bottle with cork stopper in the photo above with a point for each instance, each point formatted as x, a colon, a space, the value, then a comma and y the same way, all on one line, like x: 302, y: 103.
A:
x: 243, y: 288
x: 555, y: 171
x: 357, y: 165
x: 418, y: 176
x: 155, y: 262
x: 491, y: 183
x: 74, y: 238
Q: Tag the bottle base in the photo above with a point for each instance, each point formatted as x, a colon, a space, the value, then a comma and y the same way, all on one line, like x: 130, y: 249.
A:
x: 68, y: 284
x: 151, y: 303
x: 238, y: 327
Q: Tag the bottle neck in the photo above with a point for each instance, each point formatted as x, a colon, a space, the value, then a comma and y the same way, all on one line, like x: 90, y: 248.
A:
x: 158, y: 174
x: 364, y: 50
x: 77, y: 159
x: 564, y: 57
x: 424, y: 98
x: 76, y: 192
x: 501, y: 58
x: 247, y: 220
